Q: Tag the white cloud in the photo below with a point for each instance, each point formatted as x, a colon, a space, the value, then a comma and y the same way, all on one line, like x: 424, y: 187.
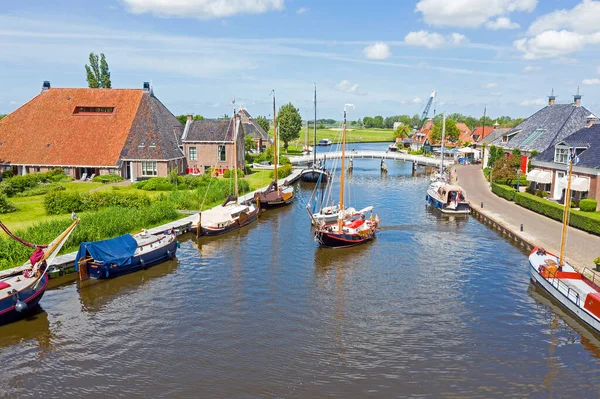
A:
x: 377, y: 51
x: 347, y: 87
x: 302, y: 10
x: 562, y: 32
x: 502, y: 23
x: 594, y: 81
x: 469, y: 13
x: 204, y: 9
x: 537, y: 101
x: 417, y: 100
x: 434, y: 40
x: 490, y: 85
x: 532, y: 68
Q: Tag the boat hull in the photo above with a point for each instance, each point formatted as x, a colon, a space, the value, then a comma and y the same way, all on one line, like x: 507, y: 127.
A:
x: 565, y: 301
x: 334, y: 240
x: 275, y: 199
x: 139, y: 262
x: 461, y: 209
x: 313, y: 175
x: 234, y: 226
x: 31, y: 295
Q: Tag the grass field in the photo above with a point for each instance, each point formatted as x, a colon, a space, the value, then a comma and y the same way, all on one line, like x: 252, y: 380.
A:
x: 352, y: 136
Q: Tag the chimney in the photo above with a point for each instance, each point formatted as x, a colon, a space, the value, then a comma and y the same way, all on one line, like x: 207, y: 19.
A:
x: 190, y: 117
x: 577, y: 98
x: 146, y: 88
x: 551, y: 98
x: 46, y: 85
x: 591, y: 120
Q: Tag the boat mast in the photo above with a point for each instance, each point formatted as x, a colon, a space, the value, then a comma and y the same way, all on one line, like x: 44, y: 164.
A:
x: 443, y: 136
x: 235, y: 161
x: 343, y: 172
x: 275, y: 142
x: 315, y: 128
x: 563, y: 238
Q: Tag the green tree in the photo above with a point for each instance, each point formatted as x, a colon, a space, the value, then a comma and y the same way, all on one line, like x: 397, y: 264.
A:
x: 2, y: 116
x: 263, y: 122
x: 97, y: 73
x: 415, y: 120
x: 183, y: 118
x: 504, y: 169
x: 452, y: 132
x: 495, y: 154
x: 378, y: 122
x: 402, y: 132
x: 249, y: 144
x: 289, y: 123
x: 368, y: 122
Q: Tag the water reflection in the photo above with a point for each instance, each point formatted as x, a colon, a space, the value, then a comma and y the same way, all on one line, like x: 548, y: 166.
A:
x: 34, y: 328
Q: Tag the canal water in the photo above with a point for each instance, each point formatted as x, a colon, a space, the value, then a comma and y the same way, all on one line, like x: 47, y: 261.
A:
x: 434, y: 307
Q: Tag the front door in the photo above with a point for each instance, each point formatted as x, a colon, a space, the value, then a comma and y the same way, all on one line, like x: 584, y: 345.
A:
x: 558, y: 191
x: 127, y: 170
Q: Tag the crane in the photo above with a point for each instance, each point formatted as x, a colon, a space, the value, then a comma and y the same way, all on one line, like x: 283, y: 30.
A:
x: 426, y: 110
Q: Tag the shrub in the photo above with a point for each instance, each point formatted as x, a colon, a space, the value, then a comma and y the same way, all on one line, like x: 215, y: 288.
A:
x: 589, y: 222
x: 106, y: 223
x: 541, y: 194
x: 59, y: 202
x: 112, y: 178
x: 282, y: 172
x: 41, y: 190
x: 7, y: 174
x: 504, y: 191
x: 229, y: 173
x: 156, y: 184
x: 18, y: 184
x: 5, y: 205
x: 588, y: 205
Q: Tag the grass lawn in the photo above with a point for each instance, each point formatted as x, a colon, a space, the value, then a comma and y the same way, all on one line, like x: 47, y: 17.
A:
x: 259, y: 179
x: 352, y: 136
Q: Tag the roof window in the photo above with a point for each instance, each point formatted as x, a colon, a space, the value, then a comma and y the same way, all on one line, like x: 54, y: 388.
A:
x: 533, y: 136
x: 94, y: 110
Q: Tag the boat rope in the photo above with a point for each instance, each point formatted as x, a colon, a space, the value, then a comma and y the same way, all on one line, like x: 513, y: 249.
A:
x: 27, y: 244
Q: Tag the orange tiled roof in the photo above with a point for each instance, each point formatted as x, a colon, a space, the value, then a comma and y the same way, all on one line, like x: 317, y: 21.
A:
x: 479, y: 133
x: 465, y: 133
x: 45, y: 131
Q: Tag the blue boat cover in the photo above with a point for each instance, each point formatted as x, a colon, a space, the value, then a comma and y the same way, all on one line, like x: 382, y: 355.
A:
x: 118, y: 250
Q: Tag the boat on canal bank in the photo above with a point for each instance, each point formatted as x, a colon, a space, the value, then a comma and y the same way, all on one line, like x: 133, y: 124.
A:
x: 275, y: 195
x: 317, y: 172
x: 448, y: 198
x: 125, y: 254
x: 22, y: 289
x: 576, y: 292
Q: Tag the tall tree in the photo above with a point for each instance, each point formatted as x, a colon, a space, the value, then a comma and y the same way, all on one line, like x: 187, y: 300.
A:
x: 402, y: 132
x: 378, y: 122
x: 452, y: 132
x: 183, y: 118
x: 97, y: 73
x: 2, y: 116
x: 263, y: 122
x: 289, y: 123
x: 368, y: 122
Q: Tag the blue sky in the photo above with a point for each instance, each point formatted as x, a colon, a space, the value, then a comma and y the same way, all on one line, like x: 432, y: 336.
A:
x: 384, y: 57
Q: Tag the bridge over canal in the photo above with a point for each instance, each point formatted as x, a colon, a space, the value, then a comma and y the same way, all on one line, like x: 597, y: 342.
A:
x: 417, y: 160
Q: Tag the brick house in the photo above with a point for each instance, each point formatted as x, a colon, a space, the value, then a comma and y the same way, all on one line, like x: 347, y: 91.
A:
x: 209, y: 143
x: 252, y: 128
x: 88, y: 132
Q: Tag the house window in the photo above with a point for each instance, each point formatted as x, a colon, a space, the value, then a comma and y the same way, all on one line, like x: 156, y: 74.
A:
x: 192, y: 154
x: 149, y: 168
x: 561, y: 154
x: 221, y: 153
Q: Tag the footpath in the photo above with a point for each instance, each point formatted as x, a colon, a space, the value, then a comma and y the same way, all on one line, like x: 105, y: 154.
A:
x: 581, y: 248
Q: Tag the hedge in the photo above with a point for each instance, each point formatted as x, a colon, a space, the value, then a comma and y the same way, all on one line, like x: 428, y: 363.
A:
x: 504, y: 191
x: 64, y: 202
x: 5, y: 205
x: 588, y: 205
x: 282, y: 171
x: 17, y: 184
x: 111, y: 178
x: 578, y: 219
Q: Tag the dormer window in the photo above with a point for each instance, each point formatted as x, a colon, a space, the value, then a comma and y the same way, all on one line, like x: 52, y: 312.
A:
x: 142, y: 144
x: 561, y: 154
x: 153, y: 144
x: 93, y: 110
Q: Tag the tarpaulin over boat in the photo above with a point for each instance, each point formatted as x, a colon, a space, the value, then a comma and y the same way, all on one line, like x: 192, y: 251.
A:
x: 118, y: 250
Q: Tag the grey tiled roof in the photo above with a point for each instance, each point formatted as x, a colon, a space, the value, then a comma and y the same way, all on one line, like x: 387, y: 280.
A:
x: 210, y: 130
x: 558, y: 121
x: 154, y: 133
x: 251, y: 127
x: 587, y: 137
x: 493, y: 135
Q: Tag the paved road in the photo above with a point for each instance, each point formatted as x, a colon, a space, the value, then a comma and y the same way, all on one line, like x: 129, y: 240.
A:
x: 540, y: 230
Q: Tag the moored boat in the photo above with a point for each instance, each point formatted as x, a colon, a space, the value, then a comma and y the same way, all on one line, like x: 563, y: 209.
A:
x: 125, y: 254
x: 448, y: 198
x: 392, y: 147
x: 324, y: 142
x: 21, y: 289
x: 317, y: 172
x: 575, y: 291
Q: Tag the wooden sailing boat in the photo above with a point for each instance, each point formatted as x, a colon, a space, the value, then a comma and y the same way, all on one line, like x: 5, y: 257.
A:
x: 22, y: 288
x: 275, y: 195
x: 574, y: 290
x: 231, y: 215
x: 348, y: 230
x: 316, y: 173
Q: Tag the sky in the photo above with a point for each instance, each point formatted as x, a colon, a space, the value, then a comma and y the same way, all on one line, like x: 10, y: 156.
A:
x: 384, y: 57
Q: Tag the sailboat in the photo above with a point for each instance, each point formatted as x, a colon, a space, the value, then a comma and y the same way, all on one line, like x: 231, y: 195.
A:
x: 574, y: 290
x: 317, y: 172
x: 348, y: 230
x: 231, y: 214
x: 275, y: 195
x: 448, y: 198
x: 21, y: 289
